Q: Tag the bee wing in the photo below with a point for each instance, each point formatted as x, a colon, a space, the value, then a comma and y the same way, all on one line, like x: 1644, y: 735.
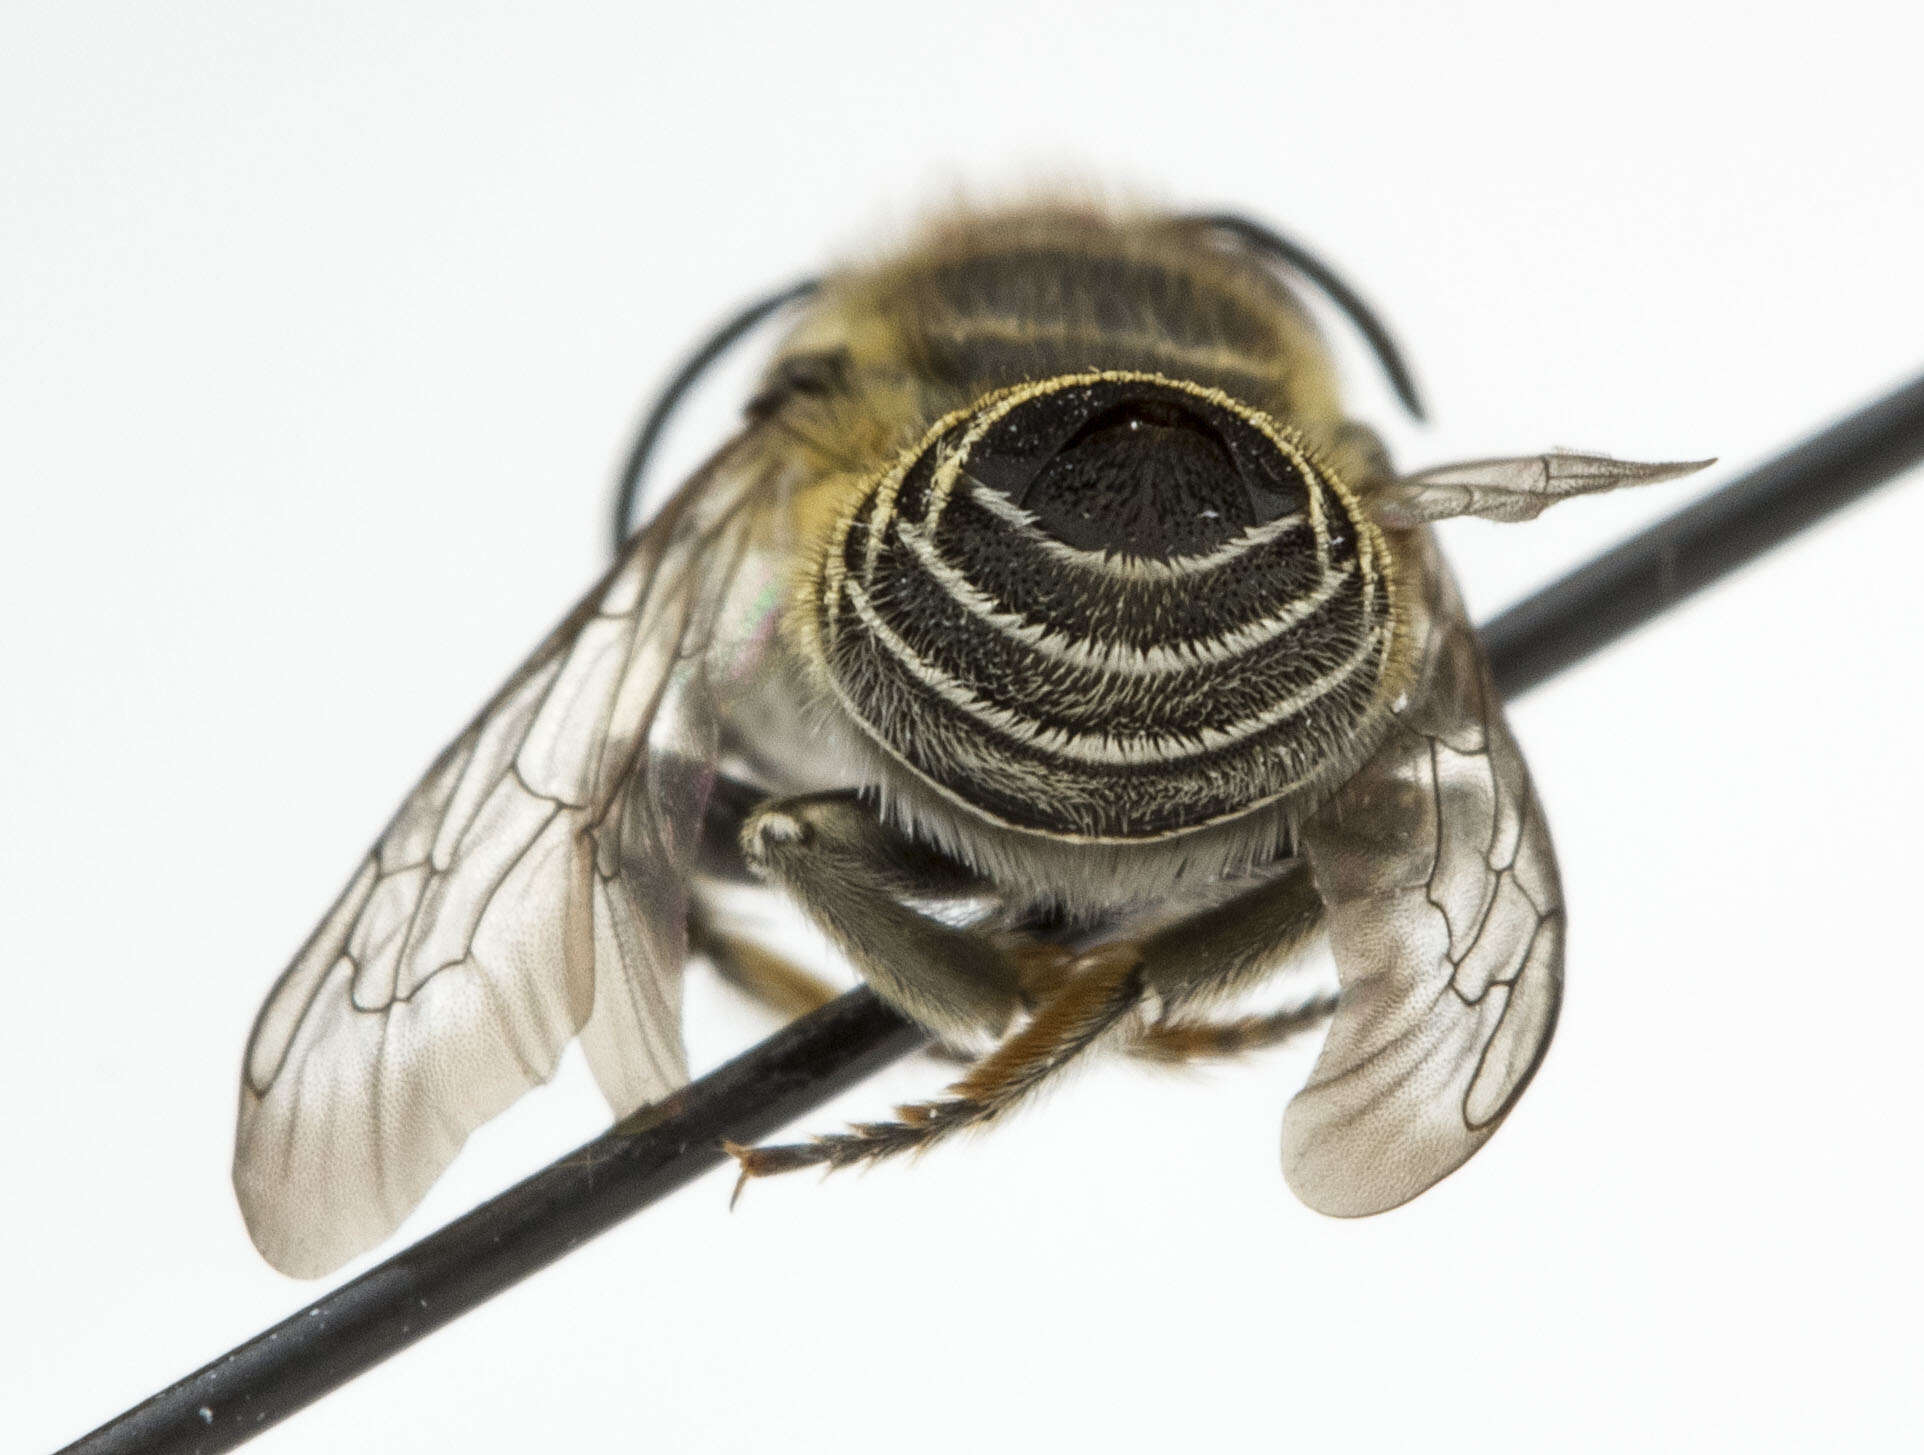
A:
x: 1512, y: 489
x: 532, y: 884
x: 1446, y: 921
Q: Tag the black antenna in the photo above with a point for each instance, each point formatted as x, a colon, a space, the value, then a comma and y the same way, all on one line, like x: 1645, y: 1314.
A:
x: 651, y: 1154
x: 1272, y: 244
x: 628, y: 491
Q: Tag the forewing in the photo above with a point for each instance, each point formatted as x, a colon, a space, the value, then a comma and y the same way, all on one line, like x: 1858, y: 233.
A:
x: 1512, y: 489
x: 1446, y: 921
x: 531, y: 884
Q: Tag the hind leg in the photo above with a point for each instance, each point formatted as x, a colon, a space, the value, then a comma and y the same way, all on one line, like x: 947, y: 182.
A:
x: 1189, y: 963
x: 1175, y: 1043
x: 851, y: 874
x: 781, y: 985
x: 760, y: 974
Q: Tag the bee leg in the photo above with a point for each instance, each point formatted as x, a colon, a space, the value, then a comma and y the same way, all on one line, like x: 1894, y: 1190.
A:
x: 1103, y: 987
x: 849, y: 872
x: 782, y: 986
x: 1217, y: 953
x: 760, y: 974
x: 1202, y: 957
x: 1220, y: 952
x: 1173, y: 1042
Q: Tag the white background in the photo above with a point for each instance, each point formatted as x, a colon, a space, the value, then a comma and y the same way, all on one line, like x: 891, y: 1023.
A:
x: 320, y: 337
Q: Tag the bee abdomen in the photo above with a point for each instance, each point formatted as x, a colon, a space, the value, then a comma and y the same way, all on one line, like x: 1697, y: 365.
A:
x: 1108, y: 606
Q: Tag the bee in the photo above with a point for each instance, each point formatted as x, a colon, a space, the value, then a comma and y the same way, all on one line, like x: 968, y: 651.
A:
x: 1051, y: 638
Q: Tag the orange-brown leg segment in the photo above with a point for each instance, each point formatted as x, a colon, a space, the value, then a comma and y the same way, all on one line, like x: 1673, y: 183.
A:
x: 762, y: 975
x: 1176, y: 1042
x: 1076, y: 1000
x: 1101, y: 989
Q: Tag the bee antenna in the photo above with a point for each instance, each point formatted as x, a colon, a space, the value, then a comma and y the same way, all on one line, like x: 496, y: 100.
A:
x: 635, y: 470
x: 1277, y: 248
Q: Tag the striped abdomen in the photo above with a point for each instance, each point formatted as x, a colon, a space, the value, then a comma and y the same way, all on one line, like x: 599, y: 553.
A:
x: 1108, y: 606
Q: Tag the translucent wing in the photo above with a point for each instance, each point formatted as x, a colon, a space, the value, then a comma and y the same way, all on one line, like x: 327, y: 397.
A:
x: 530, y: 886
x: 1446, y: 919
x: 1512, y: 489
